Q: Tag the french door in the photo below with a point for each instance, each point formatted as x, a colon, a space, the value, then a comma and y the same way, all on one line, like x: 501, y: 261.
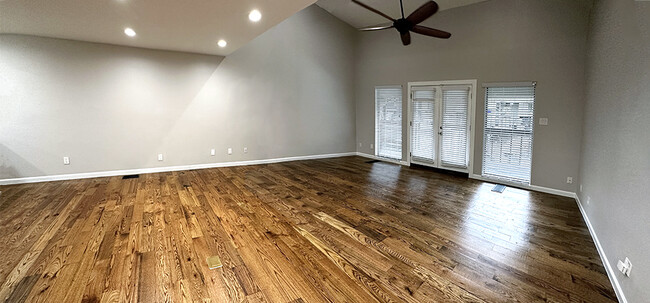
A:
x: 440, y: 125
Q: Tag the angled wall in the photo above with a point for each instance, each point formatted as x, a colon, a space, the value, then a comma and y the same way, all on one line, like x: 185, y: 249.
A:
x: 287, y: 93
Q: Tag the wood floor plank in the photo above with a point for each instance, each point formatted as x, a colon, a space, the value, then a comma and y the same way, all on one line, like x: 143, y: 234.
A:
x: 330, y: 230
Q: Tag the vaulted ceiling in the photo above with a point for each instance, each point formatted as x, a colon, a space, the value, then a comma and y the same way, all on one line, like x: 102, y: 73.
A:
x: 191, y: 26
x: 359, y: 17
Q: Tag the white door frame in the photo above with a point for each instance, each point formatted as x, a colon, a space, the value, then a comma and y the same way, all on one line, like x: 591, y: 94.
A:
x: 472, y: 119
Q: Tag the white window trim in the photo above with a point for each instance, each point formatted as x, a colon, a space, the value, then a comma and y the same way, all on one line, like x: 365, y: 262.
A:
x: 472, y: 111
x: 509, y: 84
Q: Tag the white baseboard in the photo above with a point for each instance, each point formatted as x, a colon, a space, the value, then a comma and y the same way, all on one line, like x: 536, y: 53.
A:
x: 165, y: 169
x: 603, y: 257
x: 543, y: 189
x: 369, y: 156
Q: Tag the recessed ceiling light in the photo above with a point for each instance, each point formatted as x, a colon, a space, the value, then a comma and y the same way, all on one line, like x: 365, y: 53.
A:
x: 255, y: 15
x: 222, y: 43
x: 129, y: 32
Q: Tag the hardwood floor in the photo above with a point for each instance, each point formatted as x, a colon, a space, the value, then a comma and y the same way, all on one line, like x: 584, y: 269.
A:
x: 333, y: 230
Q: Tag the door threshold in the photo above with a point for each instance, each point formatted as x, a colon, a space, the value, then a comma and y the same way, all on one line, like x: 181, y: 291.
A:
x: 439, y: 170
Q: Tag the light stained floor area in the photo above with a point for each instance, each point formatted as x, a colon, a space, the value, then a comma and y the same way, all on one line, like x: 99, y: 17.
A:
x: 332, y: 230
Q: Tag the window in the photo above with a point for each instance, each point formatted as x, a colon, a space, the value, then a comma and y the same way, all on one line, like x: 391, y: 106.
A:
x: 508, y: 132
x: 388, y: 122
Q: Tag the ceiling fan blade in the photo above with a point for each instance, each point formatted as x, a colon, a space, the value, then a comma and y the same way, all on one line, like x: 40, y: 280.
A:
x: 427, y: 31
x: 406, y: 38
x: 425, y: 11
x: 373, y: 10
x: 377, y: 27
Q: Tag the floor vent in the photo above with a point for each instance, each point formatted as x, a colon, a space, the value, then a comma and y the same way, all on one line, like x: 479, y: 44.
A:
x: 130, y: 177
x: 373, y: 161
x: 499, y: 188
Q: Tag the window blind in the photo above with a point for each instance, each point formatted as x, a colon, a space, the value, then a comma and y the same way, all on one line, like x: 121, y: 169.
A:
x: 508, y: 133
x: 388, y: 122
x: 455, y: 127
x: 423, y: 147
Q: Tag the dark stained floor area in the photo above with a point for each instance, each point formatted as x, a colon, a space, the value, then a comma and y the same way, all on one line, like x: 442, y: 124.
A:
x: 332, y: 230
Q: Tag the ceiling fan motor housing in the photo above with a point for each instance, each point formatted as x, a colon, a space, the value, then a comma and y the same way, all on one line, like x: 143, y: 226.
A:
x: 403, y: 25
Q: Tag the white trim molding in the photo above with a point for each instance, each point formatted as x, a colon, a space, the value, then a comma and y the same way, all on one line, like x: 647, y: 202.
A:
x: 166, y: 169
x: 509, y: 84
x: 543, y: 189
x: 603, y: 257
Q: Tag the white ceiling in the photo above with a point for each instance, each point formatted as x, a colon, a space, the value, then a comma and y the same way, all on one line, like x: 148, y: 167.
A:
x: 359, y: 17
x: 180, y: 25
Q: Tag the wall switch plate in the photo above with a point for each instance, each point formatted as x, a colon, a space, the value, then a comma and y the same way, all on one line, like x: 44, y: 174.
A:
x: 160, y: 157
x: 245, y: 150
x: 360, y: 144
x: 580, y: 187
x: 213, y: 152
x: 230, y: 150
x: 372, y: 146
x: 624, y: 267
x: 569, y: 180
x: 543, y: 121
x: 66, y: 160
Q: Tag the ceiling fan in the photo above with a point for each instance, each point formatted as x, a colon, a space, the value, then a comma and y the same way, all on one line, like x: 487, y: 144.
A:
x: 405, y: 25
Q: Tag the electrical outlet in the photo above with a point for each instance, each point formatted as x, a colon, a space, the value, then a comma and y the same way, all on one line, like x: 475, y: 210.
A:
x: 213, y: 152
x: 230, y: 150
x: 160, y: 157
x: 588, y: 200
x: 372, y: 146
x: 624, y: 267
x: 66, y: 160
x: 360, y: 144
x: 580, y: 187
x: 246, y: 150
x: 569, y: 180
x: 543, y: 121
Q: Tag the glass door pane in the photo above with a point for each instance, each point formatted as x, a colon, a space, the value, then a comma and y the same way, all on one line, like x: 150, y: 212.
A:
x: 425, y: 124
x: 454, y: 149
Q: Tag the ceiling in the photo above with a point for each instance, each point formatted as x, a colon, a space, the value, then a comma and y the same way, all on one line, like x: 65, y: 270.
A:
x: 179, y: 25
x: 359, y: 17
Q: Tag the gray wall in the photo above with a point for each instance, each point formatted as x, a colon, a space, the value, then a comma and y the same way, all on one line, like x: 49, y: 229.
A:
x: 494, y: 41
x: 287, y: 93
x: 615, y: 166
